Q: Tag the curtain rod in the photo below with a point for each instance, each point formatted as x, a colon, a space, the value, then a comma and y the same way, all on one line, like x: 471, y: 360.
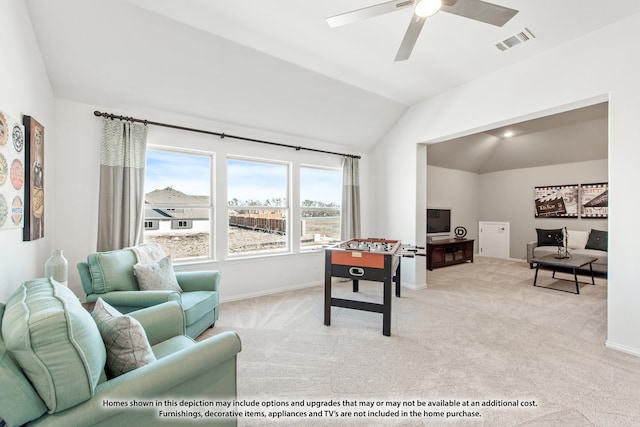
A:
x: 221, y: 135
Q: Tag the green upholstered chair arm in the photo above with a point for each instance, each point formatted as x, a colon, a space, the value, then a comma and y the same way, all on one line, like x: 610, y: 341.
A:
x: 210, y: 363
x: 162, y: 321
x: 199, y: 280
x: 85, y: 277
x: 126, y: 301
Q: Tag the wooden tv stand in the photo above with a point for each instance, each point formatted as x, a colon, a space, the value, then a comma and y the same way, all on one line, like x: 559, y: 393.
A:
x: 441, y: 253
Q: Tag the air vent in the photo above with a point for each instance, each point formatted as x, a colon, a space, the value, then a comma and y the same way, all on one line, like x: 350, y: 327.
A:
x: 512, y: 41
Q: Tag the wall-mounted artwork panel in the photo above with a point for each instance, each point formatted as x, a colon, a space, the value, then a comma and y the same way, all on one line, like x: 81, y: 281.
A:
x: 594, y: 200
x: 11, y: 173
x: 557, y: 201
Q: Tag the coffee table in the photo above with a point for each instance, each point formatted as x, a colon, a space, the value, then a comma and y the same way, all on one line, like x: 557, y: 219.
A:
x: 574, y: 262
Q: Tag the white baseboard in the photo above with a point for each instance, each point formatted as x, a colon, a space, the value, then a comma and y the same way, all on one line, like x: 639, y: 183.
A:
x: 270, y: 292
x: 415, y: 287
x: 623, y: 348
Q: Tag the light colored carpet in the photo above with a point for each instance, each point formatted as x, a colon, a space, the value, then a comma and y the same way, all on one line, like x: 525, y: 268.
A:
x: 480, y: 332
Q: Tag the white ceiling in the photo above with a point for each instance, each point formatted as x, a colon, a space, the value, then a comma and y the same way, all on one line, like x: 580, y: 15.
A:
x: 276, y: 65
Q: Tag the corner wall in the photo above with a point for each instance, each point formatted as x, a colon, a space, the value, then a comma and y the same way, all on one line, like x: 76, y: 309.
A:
x: 591, y: 69
x: 25, y: 90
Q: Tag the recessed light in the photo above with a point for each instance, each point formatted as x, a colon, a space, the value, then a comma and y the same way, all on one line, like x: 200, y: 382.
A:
x: 508, y: 134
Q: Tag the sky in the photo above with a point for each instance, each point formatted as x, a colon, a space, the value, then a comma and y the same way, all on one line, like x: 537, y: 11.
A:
x: 248, y: 180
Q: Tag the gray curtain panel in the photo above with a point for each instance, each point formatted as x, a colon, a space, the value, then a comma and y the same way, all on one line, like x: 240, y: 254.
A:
x: 121, y: 200
x: 350, y: 221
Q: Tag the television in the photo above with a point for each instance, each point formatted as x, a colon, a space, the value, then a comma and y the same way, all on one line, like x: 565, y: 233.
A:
x: 438, y: 221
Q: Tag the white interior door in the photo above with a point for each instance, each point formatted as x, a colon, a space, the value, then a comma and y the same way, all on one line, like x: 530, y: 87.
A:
x: 494, y: 239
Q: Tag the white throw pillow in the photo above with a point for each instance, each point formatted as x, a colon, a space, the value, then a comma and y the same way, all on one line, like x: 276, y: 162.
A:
x: 157, y: 276
x: 577, y: 239
x: 124, y: 338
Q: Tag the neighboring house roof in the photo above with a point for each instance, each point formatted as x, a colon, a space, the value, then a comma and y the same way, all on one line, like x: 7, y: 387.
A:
x: 168, y: 197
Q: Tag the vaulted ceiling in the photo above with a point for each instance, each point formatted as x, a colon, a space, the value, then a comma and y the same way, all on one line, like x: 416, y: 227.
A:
x: 277, y: 66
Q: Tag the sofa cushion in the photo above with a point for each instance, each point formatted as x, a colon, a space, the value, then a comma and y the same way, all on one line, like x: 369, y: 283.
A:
x: 55, y: 342
x: 597, y: 240
x: 577, y: 239
x: 551, y: 237
x: 197, y: 304
x: 124, y: 338
x: 112, y: 271
x: 157, y: 276
x: 19, y: 402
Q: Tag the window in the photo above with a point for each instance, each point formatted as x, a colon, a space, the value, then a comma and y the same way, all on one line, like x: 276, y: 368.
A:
x: 320, y: 198
x: 258, y: 206
x: 178, y: 203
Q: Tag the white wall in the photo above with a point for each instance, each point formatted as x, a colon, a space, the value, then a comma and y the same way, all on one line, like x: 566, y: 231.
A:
x: 25, y: 90
x: 508, y: 196
x: 460, y: 191
x: 590, y: 69
x: 78, y: 180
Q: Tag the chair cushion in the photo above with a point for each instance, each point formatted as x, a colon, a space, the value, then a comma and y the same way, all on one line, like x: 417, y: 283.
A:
x: 157, y: 276
x: 112, y: 271
x: 124, y: 338
x: 19, y: 402
x: 55, y: 342
x: 197, y: 304
x: 598, y: 240
x: 552, y: 237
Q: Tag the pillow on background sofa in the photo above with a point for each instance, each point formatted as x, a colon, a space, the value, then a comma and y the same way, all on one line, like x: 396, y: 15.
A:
x: 598, y: 240
x: 551, y: 237
x: 577, y: 239
x: 55, y: 341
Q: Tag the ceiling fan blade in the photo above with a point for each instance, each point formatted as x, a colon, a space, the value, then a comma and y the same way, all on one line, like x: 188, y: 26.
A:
x: 482, y: 11
x: 410, y: 38
x: 368, y: 12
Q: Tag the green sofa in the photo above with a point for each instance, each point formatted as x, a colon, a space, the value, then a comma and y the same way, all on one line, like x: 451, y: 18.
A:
x: 52, y: 361
x: 109, y: 275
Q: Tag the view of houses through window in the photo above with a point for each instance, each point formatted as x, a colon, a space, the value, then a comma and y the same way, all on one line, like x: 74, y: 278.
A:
x: 178, y: 208
x: 179, y: 211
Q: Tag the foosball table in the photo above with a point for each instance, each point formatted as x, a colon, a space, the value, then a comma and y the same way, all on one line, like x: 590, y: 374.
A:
x: 375, y: 260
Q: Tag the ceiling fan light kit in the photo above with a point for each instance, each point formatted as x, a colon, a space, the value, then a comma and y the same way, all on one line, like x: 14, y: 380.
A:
x: 426, y: 8
x: 476, y: 10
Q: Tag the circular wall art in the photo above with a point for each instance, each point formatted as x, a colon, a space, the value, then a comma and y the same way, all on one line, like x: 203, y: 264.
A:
x: 17, y: 210
x: 460, y: 232
x: 18, y: 138
x: 4, y: 210
x: 4, y: 169
x: 3, y: 130
x: 17, y: 174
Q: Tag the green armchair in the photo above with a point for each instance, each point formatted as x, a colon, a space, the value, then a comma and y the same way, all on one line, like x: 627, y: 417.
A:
x: 55, y: 376
x: 110, y: 276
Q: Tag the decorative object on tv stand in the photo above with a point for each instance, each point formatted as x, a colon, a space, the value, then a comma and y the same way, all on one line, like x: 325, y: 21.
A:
x: 460, y: 232
x: 57, y: 267
x: 563, y: 244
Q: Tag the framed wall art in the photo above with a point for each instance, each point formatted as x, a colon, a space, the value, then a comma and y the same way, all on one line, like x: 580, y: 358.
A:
x: 34, y: 180
x: 594, y: 200
x: 11, y: 173
x: 558, y: 201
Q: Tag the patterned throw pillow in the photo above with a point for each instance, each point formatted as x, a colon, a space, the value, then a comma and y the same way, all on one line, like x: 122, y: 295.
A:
x: 124, y: 338
x: 157, y: 276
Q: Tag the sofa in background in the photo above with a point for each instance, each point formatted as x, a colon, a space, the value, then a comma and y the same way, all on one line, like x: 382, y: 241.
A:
x: 52, y: 360
x: 593, y: 243
x: 110, y: 276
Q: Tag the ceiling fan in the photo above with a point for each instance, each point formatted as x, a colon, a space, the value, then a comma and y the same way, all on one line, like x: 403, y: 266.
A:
x: 477, y: 10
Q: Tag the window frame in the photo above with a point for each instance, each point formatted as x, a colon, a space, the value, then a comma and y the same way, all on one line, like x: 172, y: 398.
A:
x: 211, y: 207
x: 287, y: 208
x: 315, y: 248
